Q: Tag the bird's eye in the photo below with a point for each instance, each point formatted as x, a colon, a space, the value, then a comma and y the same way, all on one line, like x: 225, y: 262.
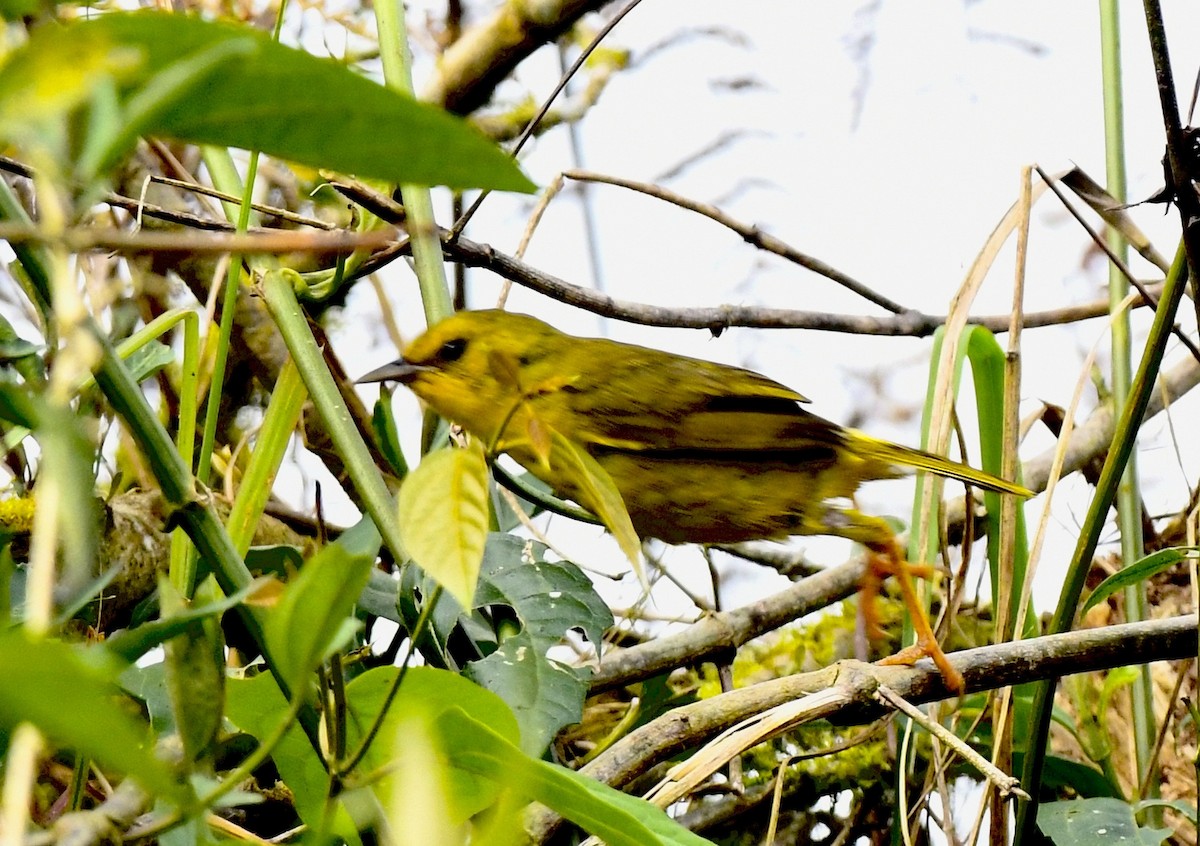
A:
x: 453, y: 349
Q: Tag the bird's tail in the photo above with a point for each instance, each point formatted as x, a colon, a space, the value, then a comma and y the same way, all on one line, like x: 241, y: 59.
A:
x: 894, y: 454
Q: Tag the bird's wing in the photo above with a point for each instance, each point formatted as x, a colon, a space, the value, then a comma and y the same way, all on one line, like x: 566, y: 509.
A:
x: 649, y: 400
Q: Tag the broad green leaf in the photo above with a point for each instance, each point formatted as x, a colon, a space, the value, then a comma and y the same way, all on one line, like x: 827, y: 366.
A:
x: 1091, y: 822
x: 307, y: 623
x: 427, y: 693
x: 171, y: 84
x: 255, y: 706
x: 281, y: 101
x: 443, y: 515
x: 422, y: 804
x: 548, y: 599
x: 70, y: 695
x: 1086, y: 781
x: 1138, y: 571
x: 601, y: 494
x: 615, y: 817
x: 545, y: 695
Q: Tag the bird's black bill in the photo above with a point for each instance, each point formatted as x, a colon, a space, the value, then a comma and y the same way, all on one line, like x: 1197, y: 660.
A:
x: 397, y: 371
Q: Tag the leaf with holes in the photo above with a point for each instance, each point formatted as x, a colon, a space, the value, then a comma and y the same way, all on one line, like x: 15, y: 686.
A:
x: 1085, y: 822
x: 548, y: 599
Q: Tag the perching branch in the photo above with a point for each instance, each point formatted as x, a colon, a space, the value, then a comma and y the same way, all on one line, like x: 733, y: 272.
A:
x: 853, y: 685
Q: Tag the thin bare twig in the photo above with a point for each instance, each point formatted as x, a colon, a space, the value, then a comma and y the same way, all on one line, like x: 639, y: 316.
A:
x: 1118, y: 263
x: 461, y: 223
x: 266, y: 241
x: 750, y: 233
x: 906, y: 323
x: 1005, y: 784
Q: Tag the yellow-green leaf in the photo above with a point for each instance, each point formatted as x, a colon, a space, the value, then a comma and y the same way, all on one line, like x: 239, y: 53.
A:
x: 601, y: 494
x: 443, y: 515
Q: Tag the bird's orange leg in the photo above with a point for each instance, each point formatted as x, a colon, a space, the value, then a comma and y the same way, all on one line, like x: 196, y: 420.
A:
x: 886, y: 559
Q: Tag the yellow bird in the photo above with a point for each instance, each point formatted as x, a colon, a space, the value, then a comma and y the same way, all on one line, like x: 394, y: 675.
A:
x: 700, y: 452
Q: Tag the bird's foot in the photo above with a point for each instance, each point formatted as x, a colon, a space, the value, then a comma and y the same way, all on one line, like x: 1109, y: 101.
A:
x: 886, y: 560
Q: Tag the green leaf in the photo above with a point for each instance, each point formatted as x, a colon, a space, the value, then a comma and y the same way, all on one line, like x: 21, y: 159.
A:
x: 1188, y: 812
x: 987, y: 371
x: 423, y: 802
x: 444, y: 519
x: 545, y: 695
x: 17, y: 405
x: 548, y: 599
x: 149, y: 684
x: 47, y: 79
x: 1089, y: 822
x: 15, y: 349
x: 256, y: 706
x: 1138, y: 571
x: 131, y: 644
x: 379, y: 597
x: 306, y: 624
x: 170, y: 85
x: 506, y: 520
x: 195, y: 660
x: 383, y: 422
x: 15, y: 9
x: 70, y: 695
x: 67, y: 469
x: 280, y: 560
x: 281, y: 101
x: 149, y: 359
x: 616, y: 818
x: 602, y: 496
x: 1085, y: 780
x: 426, y: 693
x: 477, y: 743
